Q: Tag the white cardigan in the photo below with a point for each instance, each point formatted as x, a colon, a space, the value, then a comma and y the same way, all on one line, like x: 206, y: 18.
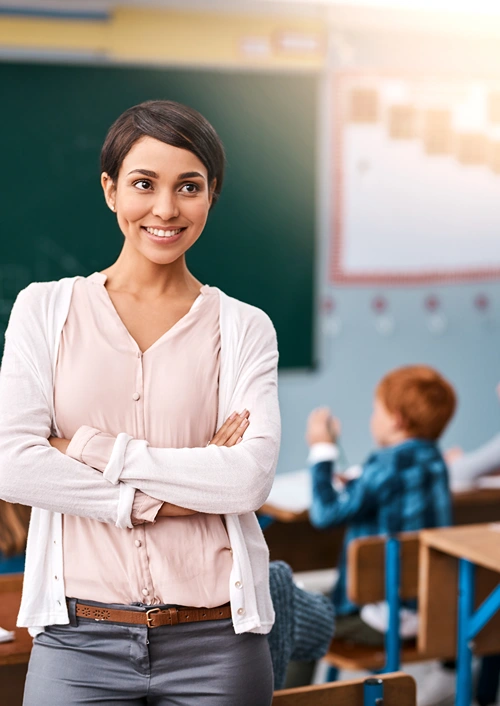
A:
x: 231, y: 481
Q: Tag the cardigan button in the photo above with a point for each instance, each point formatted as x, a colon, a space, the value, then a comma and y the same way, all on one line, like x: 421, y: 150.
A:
x: 238, y: 584
x: 240, y: 611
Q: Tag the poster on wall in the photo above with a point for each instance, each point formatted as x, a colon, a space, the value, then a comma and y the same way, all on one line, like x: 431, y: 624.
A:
x: 416, y: 179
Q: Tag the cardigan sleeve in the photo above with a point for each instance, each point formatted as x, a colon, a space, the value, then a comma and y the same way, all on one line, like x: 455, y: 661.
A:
x: 213, y: 479
x: 484, y: 460
x: 32, y: 472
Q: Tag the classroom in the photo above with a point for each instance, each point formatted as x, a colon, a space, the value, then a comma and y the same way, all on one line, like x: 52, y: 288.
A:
x: 296, y: 204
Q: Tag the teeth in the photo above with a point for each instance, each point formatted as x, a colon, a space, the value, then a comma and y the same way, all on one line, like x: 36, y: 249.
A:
x: 163, y: 233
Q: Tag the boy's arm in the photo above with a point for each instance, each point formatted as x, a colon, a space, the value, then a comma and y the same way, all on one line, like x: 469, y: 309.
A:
x: 330, y: 507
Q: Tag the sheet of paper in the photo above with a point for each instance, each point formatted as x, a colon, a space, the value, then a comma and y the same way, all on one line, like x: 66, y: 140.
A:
x: 488, y: 482
x: 6, y: 635
x: 291, y: 491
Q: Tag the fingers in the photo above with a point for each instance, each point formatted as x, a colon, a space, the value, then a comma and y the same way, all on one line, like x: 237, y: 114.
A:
x: 233, y: 428
x: 237, y: 436
x: 335, y: 427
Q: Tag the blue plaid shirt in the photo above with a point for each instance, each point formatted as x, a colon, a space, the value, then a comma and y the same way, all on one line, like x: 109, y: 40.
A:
x: 402, y: 488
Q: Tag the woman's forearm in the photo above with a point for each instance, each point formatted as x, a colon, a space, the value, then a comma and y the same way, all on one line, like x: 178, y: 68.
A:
x: 31, y: 471
x: 482, y: 461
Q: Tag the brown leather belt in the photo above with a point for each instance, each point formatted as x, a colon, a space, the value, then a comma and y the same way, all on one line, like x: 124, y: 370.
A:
x: 154, y: 617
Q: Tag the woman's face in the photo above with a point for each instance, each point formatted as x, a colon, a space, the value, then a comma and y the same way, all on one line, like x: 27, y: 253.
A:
x: 161, y: 198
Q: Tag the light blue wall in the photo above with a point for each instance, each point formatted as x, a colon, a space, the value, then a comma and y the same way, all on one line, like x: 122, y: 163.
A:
x: 351, y: 364
x: 467, y: 353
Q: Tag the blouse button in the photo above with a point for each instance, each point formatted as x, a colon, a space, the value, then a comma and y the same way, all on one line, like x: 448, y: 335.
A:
x: 145, y: 591
x: 136, y: 396
x: 241, y: 611
x: 137, y: 542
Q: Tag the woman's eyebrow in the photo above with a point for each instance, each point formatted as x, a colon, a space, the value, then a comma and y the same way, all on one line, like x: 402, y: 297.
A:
x: 154, y: 175
x: 190, y: 175
x: 146, y: 172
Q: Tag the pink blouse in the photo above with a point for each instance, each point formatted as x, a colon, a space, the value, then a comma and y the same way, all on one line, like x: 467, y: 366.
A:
x: 167, y: 395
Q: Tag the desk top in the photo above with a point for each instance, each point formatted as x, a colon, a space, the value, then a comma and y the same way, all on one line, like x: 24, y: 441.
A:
x: 290, y: 499
x: 477, y: 496
x: 477, y: 543
x: 17, y: 651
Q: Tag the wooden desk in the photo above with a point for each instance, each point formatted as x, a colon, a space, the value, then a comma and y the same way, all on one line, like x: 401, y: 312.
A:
x: 293, y: 539
x: 399, y: 690
x: 14, y: 655
x: 467, y: 557
x: 476, y: 506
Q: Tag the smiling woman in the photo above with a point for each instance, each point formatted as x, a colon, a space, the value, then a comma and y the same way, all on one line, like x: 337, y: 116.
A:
x: 143, y: 505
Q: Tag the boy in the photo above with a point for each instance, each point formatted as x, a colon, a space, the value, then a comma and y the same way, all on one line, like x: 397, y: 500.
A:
x: 403, y: 486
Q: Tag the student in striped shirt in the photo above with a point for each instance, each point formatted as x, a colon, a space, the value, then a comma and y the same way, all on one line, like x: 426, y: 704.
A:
x: 402, y: 486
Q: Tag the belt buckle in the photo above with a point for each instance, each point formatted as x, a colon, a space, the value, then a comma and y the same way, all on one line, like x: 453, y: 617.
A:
x: 150, y: 617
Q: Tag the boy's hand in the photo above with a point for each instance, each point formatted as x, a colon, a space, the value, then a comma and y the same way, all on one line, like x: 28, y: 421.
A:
x: 453, y: 455
x: 231, y: 432
x: 322, y: 427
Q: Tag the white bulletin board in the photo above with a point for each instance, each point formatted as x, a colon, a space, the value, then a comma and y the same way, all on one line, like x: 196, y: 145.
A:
x: 416, y: 179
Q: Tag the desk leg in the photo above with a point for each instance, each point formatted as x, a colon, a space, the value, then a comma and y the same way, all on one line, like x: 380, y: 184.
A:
x: 464, y: 652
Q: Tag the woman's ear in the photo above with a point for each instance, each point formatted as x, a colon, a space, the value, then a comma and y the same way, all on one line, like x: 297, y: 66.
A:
x: 211, y: 190
x: 109, y: 188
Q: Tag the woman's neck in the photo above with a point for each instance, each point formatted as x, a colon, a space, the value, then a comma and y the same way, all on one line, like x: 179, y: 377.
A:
x: 141, y: 277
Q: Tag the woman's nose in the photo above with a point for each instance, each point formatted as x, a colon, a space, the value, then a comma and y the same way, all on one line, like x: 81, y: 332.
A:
x: 165, y: 206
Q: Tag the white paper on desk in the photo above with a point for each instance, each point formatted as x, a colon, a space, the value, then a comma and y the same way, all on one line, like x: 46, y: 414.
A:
x: 6, y: 635
x: 488, y: 482
x: 291, y: 491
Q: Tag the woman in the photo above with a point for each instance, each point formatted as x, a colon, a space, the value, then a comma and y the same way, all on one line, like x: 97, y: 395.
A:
x: 146, y: 573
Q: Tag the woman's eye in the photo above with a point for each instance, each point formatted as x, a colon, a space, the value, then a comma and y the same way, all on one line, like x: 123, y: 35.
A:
x: 190, y: 188
x: 142, y: 184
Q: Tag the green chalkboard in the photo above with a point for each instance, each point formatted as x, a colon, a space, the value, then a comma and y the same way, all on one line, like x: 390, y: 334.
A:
x: 260, y: 239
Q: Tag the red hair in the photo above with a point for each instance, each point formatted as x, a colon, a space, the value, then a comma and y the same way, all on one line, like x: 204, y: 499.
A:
x: 423, y: 399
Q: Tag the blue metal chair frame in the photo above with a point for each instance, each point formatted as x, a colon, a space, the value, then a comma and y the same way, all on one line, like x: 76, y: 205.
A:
x: 373, y: 692
x: 392, y: 591
x: 470, y: 622
x: 265, y: 521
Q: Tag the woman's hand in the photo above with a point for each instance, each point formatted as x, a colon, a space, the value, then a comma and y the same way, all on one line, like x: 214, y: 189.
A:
x: 59, y: 444
x: 231, y: 432
x: 169, y: 510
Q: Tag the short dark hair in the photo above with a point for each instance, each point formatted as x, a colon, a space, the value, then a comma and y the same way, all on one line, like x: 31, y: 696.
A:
x: 170, y: 122
x: 423, y: 398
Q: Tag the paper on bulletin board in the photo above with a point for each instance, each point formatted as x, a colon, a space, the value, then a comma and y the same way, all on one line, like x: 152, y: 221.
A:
x: 416, y: 179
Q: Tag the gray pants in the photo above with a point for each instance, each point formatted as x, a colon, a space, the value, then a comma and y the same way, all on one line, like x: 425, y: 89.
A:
x: 197, y: 664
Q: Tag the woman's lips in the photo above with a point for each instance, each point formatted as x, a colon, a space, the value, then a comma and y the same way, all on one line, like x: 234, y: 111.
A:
x: 163, y: 235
